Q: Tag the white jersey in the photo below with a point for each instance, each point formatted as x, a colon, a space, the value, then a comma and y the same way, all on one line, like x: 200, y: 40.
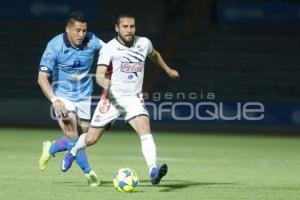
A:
x: 125, y: 65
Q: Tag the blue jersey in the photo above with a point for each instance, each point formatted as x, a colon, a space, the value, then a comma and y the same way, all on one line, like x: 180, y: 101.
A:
x: 69, y: 66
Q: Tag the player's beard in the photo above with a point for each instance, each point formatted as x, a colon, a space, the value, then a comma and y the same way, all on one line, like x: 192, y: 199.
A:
x: 127, y: 42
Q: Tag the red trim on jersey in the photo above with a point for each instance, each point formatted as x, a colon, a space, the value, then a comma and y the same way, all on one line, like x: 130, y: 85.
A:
x: 104, y: 101
x: 109, y: 71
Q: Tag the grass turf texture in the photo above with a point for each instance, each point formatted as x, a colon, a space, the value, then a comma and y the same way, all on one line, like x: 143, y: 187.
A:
x: 201, y: 166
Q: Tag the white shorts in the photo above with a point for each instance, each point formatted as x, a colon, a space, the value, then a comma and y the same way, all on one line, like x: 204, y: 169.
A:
x: 108, y: 111
x: 82, y: 109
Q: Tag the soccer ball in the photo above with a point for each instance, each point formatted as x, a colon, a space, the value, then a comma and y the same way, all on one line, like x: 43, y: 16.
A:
x: 125, y: 180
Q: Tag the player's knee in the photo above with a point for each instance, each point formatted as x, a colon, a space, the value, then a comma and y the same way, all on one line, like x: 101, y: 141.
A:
x: 143, y: 128
x: 141, y: 125
x: 71, y: 134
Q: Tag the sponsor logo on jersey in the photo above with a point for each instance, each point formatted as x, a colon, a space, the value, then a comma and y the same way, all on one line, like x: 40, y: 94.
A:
x: 130, y: 77
x: 132, y: 67
x: 77, y: 63
x: 70, y: 70
x: 140, y: 48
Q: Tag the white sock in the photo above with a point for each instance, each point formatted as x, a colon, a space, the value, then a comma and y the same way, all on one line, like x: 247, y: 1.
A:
x: 79, y: 145
x: 149, y: 150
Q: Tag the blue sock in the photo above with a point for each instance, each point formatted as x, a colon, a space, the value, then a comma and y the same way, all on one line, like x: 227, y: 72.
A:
x: 59, y: 145
x: 81, y: 158
x: 82, y: 161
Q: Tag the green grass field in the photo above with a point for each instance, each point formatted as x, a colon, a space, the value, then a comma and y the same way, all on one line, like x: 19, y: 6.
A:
x: 201, y: 166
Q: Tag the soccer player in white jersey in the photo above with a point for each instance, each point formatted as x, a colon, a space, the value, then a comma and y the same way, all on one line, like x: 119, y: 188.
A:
x: 67, y: 60
x: 120, y: 73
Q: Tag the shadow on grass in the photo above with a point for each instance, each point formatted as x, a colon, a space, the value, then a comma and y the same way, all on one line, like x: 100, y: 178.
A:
x: 165, y: 185
x: 171, y: 185
x: 82, y: 183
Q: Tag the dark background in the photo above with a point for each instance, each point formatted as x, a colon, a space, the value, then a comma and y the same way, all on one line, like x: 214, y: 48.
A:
x: 241, y: 51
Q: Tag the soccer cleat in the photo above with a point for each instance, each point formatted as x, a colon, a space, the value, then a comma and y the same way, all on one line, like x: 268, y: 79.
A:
x: 157, y: 173
x: 92, y: 179
x: 46, y: 156
x: 67, y: 161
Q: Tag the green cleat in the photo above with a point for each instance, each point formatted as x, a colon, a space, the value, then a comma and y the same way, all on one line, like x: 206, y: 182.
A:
x: 46, y: 156
x: 92, y: 179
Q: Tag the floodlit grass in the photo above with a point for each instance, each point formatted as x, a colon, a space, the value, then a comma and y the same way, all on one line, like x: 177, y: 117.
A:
x: 201, y: 166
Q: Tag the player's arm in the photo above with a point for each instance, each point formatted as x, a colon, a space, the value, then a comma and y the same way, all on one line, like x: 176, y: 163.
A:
x: 47, y: 64
x: 101, y: 77
x: 104, y: 60
x: 156, y: 58
x: 43, y: 81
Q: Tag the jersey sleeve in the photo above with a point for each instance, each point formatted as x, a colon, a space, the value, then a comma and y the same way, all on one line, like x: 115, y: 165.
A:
x: 49, y: 59
x: 150, y: 47
x: 105, y: 57
x: 99, y: 43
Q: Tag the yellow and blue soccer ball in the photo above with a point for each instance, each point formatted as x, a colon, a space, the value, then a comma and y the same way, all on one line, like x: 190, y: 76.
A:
x: 125, y: 180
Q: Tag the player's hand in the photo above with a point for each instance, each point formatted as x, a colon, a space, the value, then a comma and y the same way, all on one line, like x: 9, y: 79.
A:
x: 60, y: 110
x: 173, y: 74
x: 106, y: 84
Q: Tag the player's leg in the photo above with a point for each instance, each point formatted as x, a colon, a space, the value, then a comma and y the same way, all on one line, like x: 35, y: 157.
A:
x: 70, y: 131
x: 96, y: 129
x: 69, y: 127
x: 142, y: 126
x: 82, y: 160
x: 86, y: 139
x: 62, y: 143
x: 59, y: 145
x: 104, y: 115
x: 137, y: 117
x: 83, y: 109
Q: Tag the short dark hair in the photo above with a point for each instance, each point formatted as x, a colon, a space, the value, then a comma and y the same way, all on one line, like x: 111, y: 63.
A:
x: 76, y: 16
x: 117, y: 20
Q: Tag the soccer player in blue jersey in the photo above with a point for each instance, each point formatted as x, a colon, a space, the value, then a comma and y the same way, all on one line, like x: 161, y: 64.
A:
x: 67, y: 60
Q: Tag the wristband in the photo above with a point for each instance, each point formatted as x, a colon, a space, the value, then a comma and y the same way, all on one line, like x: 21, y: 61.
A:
x: 53, y: 99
